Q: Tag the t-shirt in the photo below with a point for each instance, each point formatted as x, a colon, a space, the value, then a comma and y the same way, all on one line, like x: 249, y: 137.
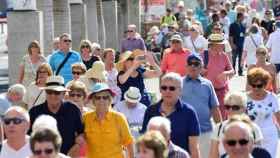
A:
x: 34, y: 95
x: 251, y: 43
x: 8, y: 152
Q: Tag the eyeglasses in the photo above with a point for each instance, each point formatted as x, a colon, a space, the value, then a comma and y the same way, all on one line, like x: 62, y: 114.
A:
x: 257, y: 85
x: 104, y: 97
x: 232, y: 107
x: 241, y: 142
x: 194, y: 64
x: 175, y: 41
x: 170, y: 88
x: 15, y: 120
x: 130, y: 59
x: 50, y: 92
x: 129, y: 31
x: 42, y: 72
x: 76, y: 72
x: 75, y: 94
x: 67, y: 40
x: 85, y: 46
x: 46, y: 151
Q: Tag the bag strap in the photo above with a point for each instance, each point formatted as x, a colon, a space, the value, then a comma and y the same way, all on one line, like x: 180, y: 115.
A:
x: 253, y: 41
x: 205, y: 58
x: 196, y: 50
x: 37, y: 97
x: 62, y: 63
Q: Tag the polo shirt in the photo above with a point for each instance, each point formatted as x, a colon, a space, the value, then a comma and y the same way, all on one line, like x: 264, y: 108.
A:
x: 273, y: 44
x: 184, y: 122
x: 69, y: 122
x: 200, y: 94
x: 66, y: 71
x: 23, y: 152
x: 175, y: 61
x: 237, y: 32
x: 130, y: 44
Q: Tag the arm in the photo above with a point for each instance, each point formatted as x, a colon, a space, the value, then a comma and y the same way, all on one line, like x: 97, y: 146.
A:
x: 247, y: 84
x: 130, y: 151
x: 214, y: 149
x: 277, y: 116
x: 194, y: 147
x: 216, y: 114
x: 156, y: 72
x: 21, y: 73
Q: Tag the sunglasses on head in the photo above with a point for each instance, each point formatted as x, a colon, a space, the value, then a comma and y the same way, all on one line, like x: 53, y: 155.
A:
x: 15, y: 120
x: 194, y: 64
x: 50, y: 92
x: 104, y: 97
x: 75, y: 94
x: 67, y: 40
x: 257, y: 85
x: 232, y: 107
x: 233, y: 142
x: 46, y: 151
x: 76, y: 72
x: 170, y: 88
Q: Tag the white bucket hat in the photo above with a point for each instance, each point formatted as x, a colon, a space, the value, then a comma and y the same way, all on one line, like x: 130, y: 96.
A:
x: 132, y: 95
x: 55, y: 83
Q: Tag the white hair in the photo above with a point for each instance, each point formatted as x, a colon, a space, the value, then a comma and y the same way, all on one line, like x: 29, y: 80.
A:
x: 173, y: 77
x: 242, y: 126
x: 17, y: 88
x: 45, y: 121
x: 20, y: 110
x: 160, y: 121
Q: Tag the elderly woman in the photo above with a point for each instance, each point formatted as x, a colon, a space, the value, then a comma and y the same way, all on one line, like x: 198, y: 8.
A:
x: 132, y: 73
x: 261, y: 55
x: 152, y: 145
x: 195, y: 41
x: 106, y: 131
x: 34, y: 94
x: 30, y: 64
x: 235, y: 106
x: 263, y: 108
x: 218, y: 68
x: 86, y: 53
x: 78, y: 72
x: 183, y: 118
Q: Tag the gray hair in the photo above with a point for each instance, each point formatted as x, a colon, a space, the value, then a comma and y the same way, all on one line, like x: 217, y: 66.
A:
x: 45, y: 121
x: 235, y: 98
x: 17, y: 88
x: 173, y: 77
x: 20, y: 110
x: 242, y: 126
x: 160, y: 121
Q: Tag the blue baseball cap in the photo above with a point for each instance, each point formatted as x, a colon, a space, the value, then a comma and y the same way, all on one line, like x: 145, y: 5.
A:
x: 194, y: 57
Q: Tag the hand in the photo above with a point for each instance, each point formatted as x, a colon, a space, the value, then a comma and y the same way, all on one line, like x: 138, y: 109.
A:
x: 136, y: 63
x: 150, y: 58
x: 80, y: 140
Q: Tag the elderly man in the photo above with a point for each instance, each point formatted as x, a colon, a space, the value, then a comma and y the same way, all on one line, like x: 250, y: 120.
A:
x: 62, y: 60
x: 16, y: 123
x: 132, y: 109
x: 184, y: 121
x: 163, y: 125
x: 175, y: 57
x: 238, y: 140
x: 200, y: 93
x: 14, y: 96
x: 67, y: 115
x: 133, y: 40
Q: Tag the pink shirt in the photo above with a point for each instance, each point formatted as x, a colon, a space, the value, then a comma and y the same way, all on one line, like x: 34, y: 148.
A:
x: 175, y: 61
x: 217, y: 64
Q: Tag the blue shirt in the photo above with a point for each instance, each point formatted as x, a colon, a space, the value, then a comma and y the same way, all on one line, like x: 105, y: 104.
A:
x: 237, y: 32
x: 66, y: 70
x: 4, y: 103
x: 184, y: 122
x: 200, y: 94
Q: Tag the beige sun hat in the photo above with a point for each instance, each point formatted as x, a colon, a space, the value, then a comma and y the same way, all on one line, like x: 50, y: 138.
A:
x: 216, y: 39
x: 55, y: 83
x: 153, y: 30
x: 132, y: 95
x: 97, y: 71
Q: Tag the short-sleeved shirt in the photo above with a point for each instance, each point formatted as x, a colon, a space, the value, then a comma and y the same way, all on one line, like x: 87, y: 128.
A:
x: 251, y: 43
x: 175, y: 61
x: 273, y: 44
x: 217, y: 64
x: 200, y: 94
x: 34, y: 95
x: 196, y: 45
x: 69, y: 122
x: 184, y: 122
x: 5, y: 103
x: 107, y: 137
x: 237, y: 32
x: 66, y: 71
x: 130, y: 44
x: 9, y: 152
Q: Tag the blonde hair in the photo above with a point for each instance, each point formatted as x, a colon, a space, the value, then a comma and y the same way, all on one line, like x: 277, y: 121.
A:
x: 84, y: 43
x: 235, y: 98
x: 32, y: 44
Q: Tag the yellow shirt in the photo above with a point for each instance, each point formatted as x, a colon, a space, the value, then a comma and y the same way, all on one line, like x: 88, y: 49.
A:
x: 106, y: 138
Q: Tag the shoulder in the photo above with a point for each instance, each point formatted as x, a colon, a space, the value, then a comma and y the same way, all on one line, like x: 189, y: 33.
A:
x: 37, y: 109
x: 153, y: 108
x: 74, y: 53
x: 70, y: 107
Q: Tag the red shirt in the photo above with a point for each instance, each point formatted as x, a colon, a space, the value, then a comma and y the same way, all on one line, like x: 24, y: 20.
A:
x: 175, y: 61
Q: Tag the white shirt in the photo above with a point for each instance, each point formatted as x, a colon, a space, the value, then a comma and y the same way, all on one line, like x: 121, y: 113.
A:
x: 251, y: 48
x: 273, y: 44
x: 199, y: 43
x: 8, y: 152
x: 34, y: 93
x: 226, y: 23
x: 134, y: 116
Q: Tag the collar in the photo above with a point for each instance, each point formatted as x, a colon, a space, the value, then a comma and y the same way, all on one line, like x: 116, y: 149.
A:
x: 178, y: 105
x: 108, y: 115
x: 199, y: 78
x: 179, y: 51
x: 250, y: 156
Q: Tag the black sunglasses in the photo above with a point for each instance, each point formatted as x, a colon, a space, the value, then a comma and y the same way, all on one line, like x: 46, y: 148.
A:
x: 232, y: 107
x: 75, y: 94
x: 170, y: 88
x: 130, y: 59
x: 76, y: 73
x: 15, y: 120
x: 194, y: 64
x: 50, y: 92
x: 85, y: 46
x: 241, y: 142
x: 257, y: 85
x: 129, y: 31
x: 105, y: 97
x: 46, y: 151
x: 67, y: 40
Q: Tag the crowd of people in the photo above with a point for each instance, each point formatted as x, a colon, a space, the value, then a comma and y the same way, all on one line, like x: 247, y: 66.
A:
x: 94, y: 103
